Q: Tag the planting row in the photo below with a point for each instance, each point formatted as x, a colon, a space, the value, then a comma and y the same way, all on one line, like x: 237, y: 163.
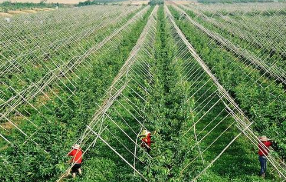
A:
x: 43, y: 86
x: 212, y: 136
x: 39, y: 156
x: 121, y: 118
x: 261, y: 35
x: 262, y: 100
x: 65, y: 45
x: 191, y: 123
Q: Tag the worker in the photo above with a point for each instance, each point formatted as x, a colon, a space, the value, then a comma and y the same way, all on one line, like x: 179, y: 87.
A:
x: 76, y: 160
x: 263, y: 145
x: 146, y: 140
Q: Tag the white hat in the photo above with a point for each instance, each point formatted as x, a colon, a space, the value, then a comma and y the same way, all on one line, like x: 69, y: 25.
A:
x: 263, y: 138
x: 76, y: 146
x: 145, y: 133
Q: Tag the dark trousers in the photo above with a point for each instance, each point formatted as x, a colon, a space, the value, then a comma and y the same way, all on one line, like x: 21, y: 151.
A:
x: 148, y: 150
x: 262, y: 160
x: 75, y: 168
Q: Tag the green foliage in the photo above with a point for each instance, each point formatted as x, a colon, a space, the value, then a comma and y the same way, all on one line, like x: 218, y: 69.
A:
x: 262, y: 99
x: 155, y: 2
x: 169, y: 108
x: 171, y: 114
x: 97, y: 2
x: 7, y: 5
x: 68, y: 117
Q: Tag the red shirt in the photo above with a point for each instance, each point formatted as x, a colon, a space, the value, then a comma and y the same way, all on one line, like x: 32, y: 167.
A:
x: 147, y: 140
x: 263, y: 150
x: 77, y: 156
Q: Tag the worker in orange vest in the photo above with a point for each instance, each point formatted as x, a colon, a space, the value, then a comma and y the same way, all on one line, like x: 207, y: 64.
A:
x: 146, y: 140
x: 263, y: 145
x: 76, y: 161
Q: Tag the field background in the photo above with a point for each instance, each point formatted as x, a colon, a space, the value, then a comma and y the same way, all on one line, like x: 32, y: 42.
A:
x: 49, y: 1
x: 71, y: 1
x: 205, y: 79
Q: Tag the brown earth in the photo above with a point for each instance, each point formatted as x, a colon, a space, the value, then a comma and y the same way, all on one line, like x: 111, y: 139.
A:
x: 5, y: 14
x: 45, y: 97
x: 135, y: 2
x: 16, y: 120
x: 16, y: 12
x: 181, y: 2
x: 4, y: 148
x: 38, y: 66
x: 27, y: 11
x: 41, y: 100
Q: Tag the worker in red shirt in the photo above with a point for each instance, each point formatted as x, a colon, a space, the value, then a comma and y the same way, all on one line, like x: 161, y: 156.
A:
x: 76, y: 160
x: 146, y: 140
x: 263, y: 145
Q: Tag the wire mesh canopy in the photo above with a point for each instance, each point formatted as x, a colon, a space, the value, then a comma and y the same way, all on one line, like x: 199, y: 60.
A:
x: 62, y: 48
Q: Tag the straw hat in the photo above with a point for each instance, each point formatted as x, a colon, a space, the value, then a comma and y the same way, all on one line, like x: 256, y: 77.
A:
x: 76, y: 146
x: 263, y: 138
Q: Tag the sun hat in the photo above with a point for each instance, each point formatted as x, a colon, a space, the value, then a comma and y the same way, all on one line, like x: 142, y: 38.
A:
x: 76, y: 146
x: 146, y: 132
x: 143, y: 132
x: 263, y: 138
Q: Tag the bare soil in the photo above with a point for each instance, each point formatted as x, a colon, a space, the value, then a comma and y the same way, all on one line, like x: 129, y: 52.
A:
x: 4, y: 148
x: 29, y: 11
x: 135, y: 2
x: 16, y: 12
x: 44, y: 98
x: 5, y: 14
x: 181, y: 2
x: 16, y: 120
